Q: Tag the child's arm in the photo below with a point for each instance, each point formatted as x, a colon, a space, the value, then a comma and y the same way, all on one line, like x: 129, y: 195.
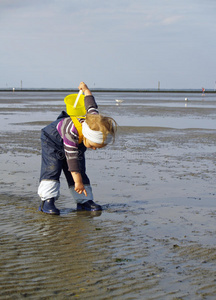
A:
x: 90, y: 104
x: 79, y: 186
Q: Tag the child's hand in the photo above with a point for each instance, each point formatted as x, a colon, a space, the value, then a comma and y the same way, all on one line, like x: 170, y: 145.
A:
x: 84, y: 88
x: 79, y: 188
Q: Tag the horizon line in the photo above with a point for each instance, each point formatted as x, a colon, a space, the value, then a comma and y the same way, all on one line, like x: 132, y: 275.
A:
x: 127, y: 90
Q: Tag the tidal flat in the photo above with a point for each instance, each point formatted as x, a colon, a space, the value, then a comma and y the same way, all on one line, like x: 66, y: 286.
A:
x: 154, y: 239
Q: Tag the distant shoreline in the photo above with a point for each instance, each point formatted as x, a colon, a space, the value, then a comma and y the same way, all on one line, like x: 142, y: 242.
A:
x: 198, y: 91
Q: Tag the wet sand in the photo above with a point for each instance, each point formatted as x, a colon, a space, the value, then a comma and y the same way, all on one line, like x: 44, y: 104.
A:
x: 155, y: 238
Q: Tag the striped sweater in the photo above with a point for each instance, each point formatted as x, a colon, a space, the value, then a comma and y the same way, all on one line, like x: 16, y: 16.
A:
x: 70, y: 136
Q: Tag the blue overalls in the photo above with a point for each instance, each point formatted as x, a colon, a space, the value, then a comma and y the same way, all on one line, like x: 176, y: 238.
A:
x: 54, y: 161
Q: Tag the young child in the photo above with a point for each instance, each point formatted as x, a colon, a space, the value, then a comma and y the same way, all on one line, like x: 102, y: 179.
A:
x: 63, y: 146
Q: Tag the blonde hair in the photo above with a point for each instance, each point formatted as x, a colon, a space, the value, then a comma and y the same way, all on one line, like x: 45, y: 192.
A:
x: 106, y: 125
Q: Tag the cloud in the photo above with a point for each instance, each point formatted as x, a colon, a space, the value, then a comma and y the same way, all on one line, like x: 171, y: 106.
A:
x: 171, y: 20
x: 7, y: 6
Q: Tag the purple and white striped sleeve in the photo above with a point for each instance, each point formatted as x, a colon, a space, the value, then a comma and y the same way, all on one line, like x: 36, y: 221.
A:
x: 70, y: 137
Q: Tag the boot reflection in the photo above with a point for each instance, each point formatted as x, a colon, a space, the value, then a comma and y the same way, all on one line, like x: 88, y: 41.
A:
x: 85, y: 213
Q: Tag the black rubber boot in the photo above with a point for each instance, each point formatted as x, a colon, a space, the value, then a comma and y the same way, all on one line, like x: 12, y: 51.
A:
x: 89, y: 206
x: 48, y: 207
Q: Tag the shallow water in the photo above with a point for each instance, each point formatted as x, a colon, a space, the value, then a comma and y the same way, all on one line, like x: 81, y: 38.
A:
x: 155, y: 238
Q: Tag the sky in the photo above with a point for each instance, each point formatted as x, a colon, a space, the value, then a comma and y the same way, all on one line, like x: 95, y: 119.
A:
x: 135, y: 44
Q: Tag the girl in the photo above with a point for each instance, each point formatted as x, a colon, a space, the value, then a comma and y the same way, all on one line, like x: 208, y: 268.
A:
x: 64, y: 143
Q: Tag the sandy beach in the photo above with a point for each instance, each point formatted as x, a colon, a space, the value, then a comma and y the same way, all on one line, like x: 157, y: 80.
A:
x: 155, y: 238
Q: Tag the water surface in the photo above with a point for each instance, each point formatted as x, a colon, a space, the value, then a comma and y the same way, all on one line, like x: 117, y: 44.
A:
x: 155, y: 238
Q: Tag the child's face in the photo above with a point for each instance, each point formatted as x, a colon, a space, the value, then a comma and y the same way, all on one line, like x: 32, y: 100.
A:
x: 92, y: 145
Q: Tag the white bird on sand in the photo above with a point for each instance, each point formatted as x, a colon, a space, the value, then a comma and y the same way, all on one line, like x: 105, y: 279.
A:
x: 119, y: 101
x: 186, y: 99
